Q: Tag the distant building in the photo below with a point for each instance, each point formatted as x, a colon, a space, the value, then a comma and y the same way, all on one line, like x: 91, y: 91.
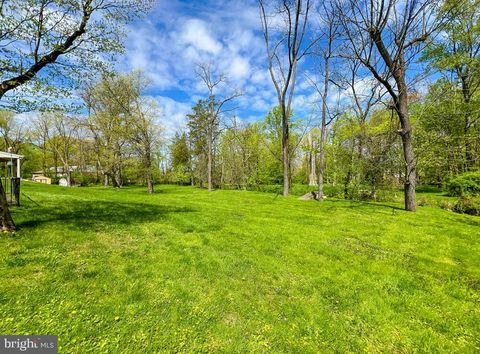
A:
x: 40, y: 178
x: 61, y: 171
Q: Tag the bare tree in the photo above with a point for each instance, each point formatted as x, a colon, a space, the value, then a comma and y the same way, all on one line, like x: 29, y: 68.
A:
x: 216, y: 108
x: 12, y: 131
x: 312, y: 160
x: 386, y: 36
x: 288, y: 40
x: 64, y: 128
x: 329, y: 36
x: 40, y: 135
x: 365, y: 93
x: 145, y: 134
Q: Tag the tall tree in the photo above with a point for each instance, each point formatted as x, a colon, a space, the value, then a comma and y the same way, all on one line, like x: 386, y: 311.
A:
x: 364, y: 94
x: 200, y: 129
x: 286, y: 41
x: 180, y: 159
x: 457, y: 51
x: 12, y: 131
x: 64, y: 128
x: 328, y: 36
x: 145, y: 132
x: 216, y: 107
x: 386, y: 37
x: 109, y: 123
x: 40, y: 134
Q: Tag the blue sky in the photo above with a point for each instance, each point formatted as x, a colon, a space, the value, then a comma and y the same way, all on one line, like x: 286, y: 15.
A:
x: 176, y: 35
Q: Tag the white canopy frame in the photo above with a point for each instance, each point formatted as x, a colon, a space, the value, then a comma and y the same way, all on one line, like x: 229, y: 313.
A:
x: 8, y: 156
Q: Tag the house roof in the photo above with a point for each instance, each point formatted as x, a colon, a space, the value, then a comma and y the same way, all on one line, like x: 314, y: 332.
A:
x: 5, y: 156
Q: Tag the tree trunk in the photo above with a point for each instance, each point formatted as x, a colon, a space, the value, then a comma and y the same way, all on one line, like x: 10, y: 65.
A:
x: 6, y: 221
x: 469, y: 157
x: 408, y: 153
x: 117, y: 178
x: 114, y: 181
x: 148, y: 165
x: 323, y: 131
x: 44, y: 157
x: 209, y: 159
x: 466, y: 91
x: 312, y: 178
x: 68, y: 175
x: 222, y: 176
x: 348, y: 177
x: 55, y: 161
x: 149, y: 184
x: 410, y: 173
x: 285, y: 151
x: 321, y: 161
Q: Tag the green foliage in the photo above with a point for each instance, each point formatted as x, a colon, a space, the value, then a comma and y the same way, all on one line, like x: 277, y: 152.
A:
x: 83, y: 179
x: 449, y: 135
x: 123, y: 124
x: 199, y: 125
x: 441, y: 137
x: 184, y: 270
x: 464, y: 184
x: 180, y: 160
x: 364, y: 158
x: 51, y: 32
x: 468, y: 205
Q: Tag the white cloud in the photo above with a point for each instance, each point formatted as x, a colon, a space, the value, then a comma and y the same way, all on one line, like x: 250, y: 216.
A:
x: 173, y: 114
x: 239, y: 68
x: 196, y: 34
x: 224, y: 33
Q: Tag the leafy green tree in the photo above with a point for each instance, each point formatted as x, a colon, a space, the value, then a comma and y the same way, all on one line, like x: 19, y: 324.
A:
x: 180, y: 159
x: 63, y: 40
x: 386, y: 36
x: 200, y: 129
x: 123, y: 123
x: 273, y: 140
x: 441, y: 139
x: 243, y: 156
x: 286, y: 44
x: 215, y: 108
x: 456, y: 52
x: 377, y: 167
x: 12, y: 132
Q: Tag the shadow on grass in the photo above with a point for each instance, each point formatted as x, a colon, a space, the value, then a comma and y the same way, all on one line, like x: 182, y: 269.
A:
x: 94, y: 215
x: 429, y: 189
x: 360, y: 203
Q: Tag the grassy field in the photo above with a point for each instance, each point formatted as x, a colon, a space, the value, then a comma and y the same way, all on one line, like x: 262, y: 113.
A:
x: 119, y: 271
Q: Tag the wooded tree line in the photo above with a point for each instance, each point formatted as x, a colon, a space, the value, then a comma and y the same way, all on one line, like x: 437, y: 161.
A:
x: 395, y: 82
x: 409, y: 74
x: 117, y: 142
x: 49, y: 48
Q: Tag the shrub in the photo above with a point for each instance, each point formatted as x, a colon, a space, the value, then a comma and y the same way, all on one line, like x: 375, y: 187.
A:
x: 423, y: 201
x: 467, y: 205
x: 447, y: 205
x: 464, y: 184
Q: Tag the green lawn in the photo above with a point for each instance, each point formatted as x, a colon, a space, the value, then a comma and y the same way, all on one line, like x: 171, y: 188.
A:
x: 119, y: 271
